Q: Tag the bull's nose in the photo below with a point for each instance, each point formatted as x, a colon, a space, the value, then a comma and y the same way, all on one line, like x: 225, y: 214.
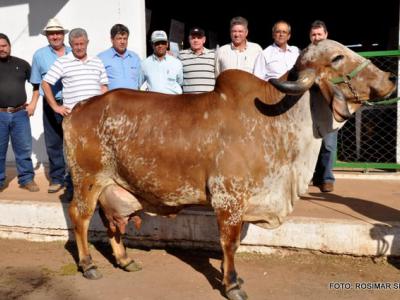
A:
x: 393, y: 78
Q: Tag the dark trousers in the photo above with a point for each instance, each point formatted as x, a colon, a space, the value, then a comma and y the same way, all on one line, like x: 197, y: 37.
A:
x: 53, y: 137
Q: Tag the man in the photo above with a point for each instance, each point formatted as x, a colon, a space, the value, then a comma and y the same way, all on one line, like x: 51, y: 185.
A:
x: 323, y: 175
x: 163, y: 73
x: 122, y: 65
x: 14, y: 116
x: 82, y: 76
x: 198, y: 64
x: 278, y: 58
x: 53, y: 134
x: 240, y: 53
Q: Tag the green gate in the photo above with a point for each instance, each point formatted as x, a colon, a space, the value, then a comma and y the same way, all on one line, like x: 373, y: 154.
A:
x: 371, y: 139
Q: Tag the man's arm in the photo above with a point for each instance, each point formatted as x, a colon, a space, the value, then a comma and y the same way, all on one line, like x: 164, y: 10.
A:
x: 48, y: 93
x: 31, y: 107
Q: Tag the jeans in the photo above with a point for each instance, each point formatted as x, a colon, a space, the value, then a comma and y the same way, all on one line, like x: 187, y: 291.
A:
x: 17, y: 127
x: 53, y: 138
x: 323, y: 171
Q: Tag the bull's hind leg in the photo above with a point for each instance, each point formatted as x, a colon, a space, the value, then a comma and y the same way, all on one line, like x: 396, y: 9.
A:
x: 230, y: 229
x: 117, y: 205
x: 81, y: 212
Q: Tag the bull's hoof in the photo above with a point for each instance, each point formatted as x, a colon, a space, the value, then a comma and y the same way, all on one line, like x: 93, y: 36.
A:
x: 131, y: 266
x: 236, y: 294
x: 92, y: 273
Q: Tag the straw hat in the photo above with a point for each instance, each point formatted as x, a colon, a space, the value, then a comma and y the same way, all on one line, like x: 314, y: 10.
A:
x: 53, y: 25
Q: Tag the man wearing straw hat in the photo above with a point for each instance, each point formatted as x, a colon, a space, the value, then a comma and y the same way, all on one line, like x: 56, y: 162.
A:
x: 53, y: 134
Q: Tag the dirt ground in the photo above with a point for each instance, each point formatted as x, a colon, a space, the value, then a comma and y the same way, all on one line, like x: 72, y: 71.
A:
x: 32, y: 270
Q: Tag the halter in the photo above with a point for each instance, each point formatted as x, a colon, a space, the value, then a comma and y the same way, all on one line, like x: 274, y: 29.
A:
x: 348, y: 77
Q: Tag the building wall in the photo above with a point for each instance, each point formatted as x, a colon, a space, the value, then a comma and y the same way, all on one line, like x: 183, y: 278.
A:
x: 23, y: 20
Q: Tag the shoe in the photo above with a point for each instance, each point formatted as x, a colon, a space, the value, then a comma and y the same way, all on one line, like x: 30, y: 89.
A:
x: 326, y: 187
x: 55, y: 187
x: 30, y: 186
x: 67, y: 196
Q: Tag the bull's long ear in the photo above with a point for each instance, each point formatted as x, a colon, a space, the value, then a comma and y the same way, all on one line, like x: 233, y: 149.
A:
x: 303, y: 83
x: 339, y: 105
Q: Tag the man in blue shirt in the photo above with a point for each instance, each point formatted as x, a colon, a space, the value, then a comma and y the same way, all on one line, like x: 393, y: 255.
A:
x: 162, y: 72
x: 122, y: 65
x: 53, y: 133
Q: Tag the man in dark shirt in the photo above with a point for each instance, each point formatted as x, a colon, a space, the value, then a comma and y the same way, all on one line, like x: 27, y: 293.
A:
x: 14, y: 117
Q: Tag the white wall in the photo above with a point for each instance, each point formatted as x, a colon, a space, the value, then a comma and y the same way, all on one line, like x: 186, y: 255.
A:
x: 23, y: 20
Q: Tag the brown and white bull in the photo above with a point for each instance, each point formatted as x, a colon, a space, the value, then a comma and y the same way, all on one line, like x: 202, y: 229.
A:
x: 247, y: 149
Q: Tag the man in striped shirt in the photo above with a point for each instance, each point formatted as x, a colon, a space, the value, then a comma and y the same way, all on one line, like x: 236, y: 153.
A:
x: 198, y: 64
x: 82, y: 76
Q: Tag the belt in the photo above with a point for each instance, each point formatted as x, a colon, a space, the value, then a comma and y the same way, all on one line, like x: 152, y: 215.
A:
x: 13, y: 109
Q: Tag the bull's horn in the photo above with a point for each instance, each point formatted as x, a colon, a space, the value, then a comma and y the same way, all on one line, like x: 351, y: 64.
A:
x: 302, y: 84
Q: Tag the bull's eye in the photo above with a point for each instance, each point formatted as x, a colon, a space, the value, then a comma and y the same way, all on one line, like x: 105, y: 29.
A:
x: 337, y: 58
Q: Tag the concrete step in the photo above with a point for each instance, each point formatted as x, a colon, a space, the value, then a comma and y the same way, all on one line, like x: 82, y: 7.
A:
x: 361, y: 217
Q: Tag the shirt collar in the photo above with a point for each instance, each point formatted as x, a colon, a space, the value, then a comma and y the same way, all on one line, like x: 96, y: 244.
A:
x: 234, y: 48
x: 155, y: 58
x: 288, y: 48
x: 205, y: 50
x: 66, y: 48
x: 115, y: 53
x: 72, y: 57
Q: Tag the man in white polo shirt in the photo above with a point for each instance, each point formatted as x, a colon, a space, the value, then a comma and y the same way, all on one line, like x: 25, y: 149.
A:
x: 240, y: 53
x: 82, y: 76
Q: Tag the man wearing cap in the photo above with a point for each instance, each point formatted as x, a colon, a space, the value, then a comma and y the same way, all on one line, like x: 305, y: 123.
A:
x: 14, y: 116
x: 198, y: 64
x: 53, y: 134
x: 122, y: 65
x: 162, y: 72
x: 240, y: 53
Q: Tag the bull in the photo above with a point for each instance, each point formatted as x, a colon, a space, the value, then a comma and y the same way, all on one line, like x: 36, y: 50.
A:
x: 247, y: 149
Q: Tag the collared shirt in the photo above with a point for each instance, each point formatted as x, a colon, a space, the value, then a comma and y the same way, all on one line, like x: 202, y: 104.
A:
x: 163, y: 76
x: 273, y: 62
x: 198, y: 70
x: 42, y: 60
x: 228, y: 57
x: 80, y: 79
x: 14, y: 72
x: 123, y: 71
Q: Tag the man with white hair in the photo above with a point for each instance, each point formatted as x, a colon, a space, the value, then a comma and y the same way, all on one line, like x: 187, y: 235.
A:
x: 82, y: 77
x: 53, y: 134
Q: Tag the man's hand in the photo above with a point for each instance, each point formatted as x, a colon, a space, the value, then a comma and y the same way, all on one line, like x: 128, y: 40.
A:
x: 62, y: 110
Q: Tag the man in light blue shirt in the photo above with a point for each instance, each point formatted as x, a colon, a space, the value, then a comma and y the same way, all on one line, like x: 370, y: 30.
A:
x: 42, y: 60
x: 162, y: 72
x: 122, y: 65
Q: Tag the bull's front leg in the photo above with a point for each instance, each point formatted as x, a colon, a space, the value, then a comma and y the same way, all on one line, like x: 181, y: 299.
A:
x: 230, y: 229
x: 81, y: 226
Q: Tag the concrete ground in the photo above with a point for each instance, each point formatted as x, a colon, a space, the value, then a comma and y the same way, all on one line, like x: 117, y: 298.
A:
x: 361, y: 217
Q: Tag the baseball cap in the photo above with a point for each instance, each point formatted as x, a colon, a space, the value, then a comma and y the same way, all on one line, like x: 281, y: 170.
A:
x: 158, y: 36
x: 197, y: 31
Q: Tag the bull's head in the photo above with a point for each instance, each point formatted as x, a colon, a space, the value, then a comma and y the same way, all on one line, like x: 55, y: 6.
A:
x: 345, y: 79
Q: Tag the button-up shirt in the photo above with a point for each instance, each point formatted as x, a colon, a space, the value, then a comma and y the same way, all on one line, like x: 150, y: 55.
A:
x: 273, y: 62
x: 229, y: 57
x: 163, y: 76
x: 123, y: 71
x: 42, y: 60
